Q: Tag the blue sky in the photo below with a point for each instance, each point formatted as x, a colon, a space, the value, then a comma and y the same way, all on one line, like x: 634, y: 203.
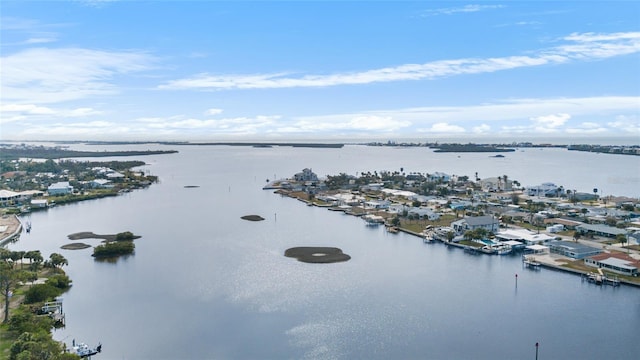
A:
x: 266, y: 70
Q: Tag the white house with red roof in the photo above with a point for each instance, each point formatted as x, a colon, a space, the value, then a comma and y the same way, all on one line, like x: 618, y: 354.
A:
x: 617, y: 262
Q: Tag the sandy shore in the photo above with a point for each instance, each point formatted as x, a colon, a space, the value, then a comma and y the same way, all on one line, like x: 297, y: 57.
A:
x: 9, y: 227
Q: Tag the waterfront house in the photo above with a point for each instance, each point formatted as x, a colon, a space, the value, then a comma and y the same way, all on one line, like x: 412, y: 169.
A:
x: 60, y: 188
x: 8, y: 197
x: 399, y: 193
x: 493, y: 184
x: 600, y: 230
x: 568, y: 224
x: 423, y: 213
x: 573, y: 250
x: 537, y: 249
x: 487, y: 222
x: 39, y: 203
x: 523, y: 235
x: 305, y: 175
x: 375, y: 204
x: 99, y: 183
x: 617, y: 262
x: 544, y: 189
x: 115, y: 175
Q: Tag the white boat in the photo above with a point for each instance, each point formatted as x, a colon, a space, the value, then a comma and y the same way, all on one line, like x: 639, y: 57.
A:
x: 83, y: 350
x: 502, y: 249
x: 488, y: 250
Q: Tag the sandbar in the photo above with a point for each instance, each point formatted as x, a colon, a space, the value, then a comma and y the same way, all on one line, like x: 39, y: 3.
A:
x: 317, y: 255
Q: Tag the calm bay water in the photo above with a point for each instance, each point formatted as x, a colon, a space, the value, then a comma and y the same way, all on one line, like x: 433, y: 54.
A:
x: 205, y: 284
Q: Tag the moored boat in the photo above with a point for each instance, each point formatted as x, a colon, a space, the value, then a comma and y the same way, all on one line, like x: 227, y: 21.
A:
x: 83, y: 350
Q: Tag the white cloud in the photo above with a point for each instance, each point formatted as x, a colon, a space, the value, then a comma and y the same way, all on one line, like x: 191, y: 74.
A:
x: 26, y: 109
x: 507, y: 110
x: 350, y: 123
x: 629, y: 124
x: 462, y: 9
x: 238, y: 125
x: 213, y: 112
x: 20, y: 112
x: 582, y: 47
x: 587, y: 128
x: 95, y: 3
x: 82, y: 112
x: 43, y: 75
x: 444, y: 128
x: 80, y: 129
x: 550, y: 122
x: 519, y: 116
x: 481, y: 129
x: 530, y: 117
x: 41, y: 40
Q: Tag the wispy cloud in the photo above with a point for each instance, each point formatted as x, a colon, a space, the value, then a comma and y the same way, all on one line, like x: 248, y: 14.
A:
x: 42, y: 38
x: 28, y: 31
x: 461, y: 9
x: 549, y: 123
x: 230, y: 126
x: 20, y: 112
x: 520, y: 23
x: 95, y: 3
x: 43, y: 75
x: 579, y: 47
x: 444, y: 128
x: 519, y: 116
x: 530, y: 117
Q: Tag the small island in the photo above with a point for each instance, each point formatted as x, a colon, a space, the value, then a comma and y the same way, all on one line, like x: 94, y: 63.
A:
x: 317, y: 255
x: 469, y: 148
x: 252, y: 217
x: 114, y: 245
x: 113, y: 249
x: 75, y: 246
x: 123, y: 236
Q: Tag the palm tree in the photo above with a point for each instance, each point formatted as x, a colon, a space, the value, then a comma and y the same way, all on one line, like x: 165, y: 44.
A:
x: 622, y: 238
x: 450, y: 236
x: 468, y: 235
x: 576, y: 236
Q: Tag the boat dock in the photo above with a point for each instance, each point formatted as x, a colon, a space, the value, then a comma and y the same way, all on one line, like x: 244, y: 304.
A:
x: 600, y: 279
x: 530, y: 262
x: 53, y: 309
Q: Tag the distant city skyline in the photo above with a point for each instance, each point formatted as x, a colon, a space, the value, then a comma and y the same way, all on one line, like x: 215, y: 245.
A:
x: 330, y: 70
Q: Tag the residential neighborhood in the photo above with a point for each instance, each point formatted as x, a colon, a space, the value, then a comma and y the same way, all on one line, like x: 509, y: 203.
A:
x: 581, y: 232
x: 27, y: 185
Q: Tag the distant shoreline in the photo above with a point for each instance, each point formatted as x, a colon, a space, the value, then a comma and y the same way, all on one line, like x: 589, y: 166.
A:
x: 440, y: 147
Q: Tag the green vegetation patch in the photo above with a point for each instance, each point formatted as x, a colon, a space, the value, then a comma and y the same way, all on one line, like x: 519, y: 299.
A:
x: 57, y: 153
x: 113, y: 249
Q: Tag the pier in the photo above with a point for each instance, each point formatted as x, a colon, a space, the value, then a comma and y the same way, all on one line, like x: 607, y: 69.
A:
x: 600, y: 279
x: 54, y: 310
x: 530, y: 262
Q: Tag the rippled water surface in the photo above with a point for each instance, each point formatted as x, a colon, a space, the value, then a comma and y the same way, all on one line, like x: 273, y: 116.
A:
x: 204, y: 283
